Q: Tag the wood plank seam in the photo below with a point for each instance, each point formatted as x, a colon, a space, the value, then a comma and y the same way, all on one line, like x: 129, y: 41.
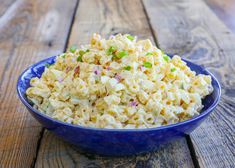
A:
x: 2, y: 19
x: 71, y: 25
x: 192, y: 152
x: 109, y: 17
x: 150, y: 25
x: 28, y: 33
x: 204, y: 39
x: 65, y: 47
x: 188, y: 140
x: 38, y: 147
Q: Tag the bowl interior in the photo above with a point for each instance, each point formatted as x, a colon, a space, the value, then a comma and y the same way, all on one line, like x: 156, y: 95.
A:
x: 37, y: 69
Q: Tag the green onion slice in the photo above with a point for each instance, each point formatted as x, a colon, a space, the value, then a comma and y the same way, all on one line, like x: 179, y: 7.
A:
x: 79, y: 58
x: 130, y: 37
x: 73, y: 49
x: 122, y: 54
x: 149, y: 54
x: 173, y: 69
x: 128, y: 68
x: 147, y: 65
x: 111, y: 50
x: 166, y: 58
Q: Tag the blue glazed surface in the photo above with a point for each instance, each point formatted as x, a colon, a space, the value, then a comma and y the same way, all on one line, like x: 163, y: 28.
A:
x: 116, y: 142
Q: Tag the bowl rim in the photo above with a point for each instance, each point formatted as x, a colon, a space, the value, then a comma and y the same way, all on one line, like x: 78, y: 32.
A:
x: 201, y: 115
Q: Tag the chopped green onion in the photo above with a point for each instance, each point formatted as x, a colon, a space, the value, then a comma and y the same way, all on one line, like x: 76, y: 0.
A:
x: 73, y: 49
x: 147, y: 65
x: 47, y: 65
x: 166, y: 58
x: 63, y: 55
x: 81, y: 52
x: 79, y: 58
x: 128, y: 68
x: 113, y: 57
x: 130, y: 37
x: 149, y: 54
x: 111, y: 50
x: 173, y: 69
x: 122, y: 54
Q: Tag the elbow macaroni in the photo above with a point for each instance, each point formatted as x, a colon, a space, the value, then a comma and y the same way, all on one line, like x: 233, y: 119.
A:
x: 119, y: 83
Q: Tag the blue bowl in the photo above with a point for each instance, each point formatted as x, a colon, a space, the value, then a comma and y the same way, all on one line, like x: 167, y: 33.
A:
x: 116, y: 142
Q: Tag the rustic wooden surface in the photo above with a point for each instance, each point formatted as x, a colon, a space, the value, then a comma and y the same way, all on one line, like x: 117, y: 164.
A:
x: 27, y: 34
x: 195, y: 32
x: 225, y: 11
x: 101, y: 16
x: 202, y: 31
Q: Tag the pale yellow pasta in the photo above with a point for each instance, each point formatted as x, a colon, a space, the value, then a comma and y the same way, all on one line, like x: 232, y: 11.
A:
x: 119, y: 83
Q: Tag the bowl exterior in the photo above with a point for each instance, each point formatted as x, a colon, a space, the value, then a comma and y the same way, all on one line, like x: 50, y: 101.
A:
x: 116, y: 142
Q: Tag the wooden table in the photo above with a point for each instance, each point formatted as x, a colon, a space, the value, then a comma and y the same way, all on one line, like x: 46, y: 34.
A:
x: 202, y: 31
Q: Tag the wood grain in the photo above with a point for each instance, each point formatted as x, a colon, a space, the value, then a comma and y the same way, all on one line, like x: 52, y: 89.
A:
x: 5, y: 5
x: 225, y: 10
x: 29, y: 31
x: 55, y: 152
x: 191, y: 29
x: 109, y: 17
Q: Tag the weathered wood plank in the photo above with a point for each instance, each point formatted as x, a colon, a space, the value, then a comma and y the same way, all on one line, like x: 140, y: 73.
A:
x: 54, y: 152
x: 29, y: 31
x: 5, y: 5
x: 224, y: 10
x: 4, y: 9
x: 109, y: 17
x: 191, y: 29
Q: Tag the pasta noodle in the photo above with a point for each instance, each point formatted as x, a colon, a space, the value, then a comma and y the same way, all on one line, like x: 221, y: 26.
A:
x: 120, y: 82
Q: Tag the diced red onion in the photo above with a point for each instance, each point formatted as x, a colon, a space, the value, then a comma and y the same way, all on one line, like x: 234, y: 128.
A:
x: 73, y: 59
x: 118, y: 77
x: 60, y: 80
x: 133, y: 103
x: 97, y: 72
x: 155, y: 120
x: 142, y: 68
x: 111, y: 36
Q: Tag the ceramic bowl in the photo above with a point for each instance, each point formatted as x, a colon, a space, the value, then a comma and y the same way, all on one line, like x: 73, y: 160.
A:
x: 116, y: 142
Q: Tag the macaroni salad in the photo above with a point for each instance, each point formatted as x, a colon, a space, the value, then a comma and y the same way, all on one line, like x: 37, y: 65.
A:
x: 120, y: 82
